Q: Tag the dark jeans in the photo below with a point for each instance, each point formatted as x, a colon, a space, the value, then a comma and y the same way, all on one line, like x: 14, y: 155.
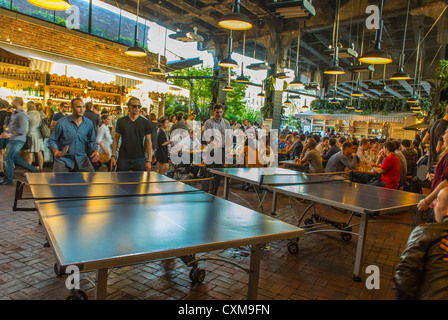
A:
x: 12, y: 156
x: 131, y: 164
x: 377, y: 183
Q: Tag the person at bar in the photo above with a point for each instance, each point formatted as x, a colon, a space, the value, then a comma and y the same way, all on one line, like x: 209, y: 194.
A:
x: 69, y: 140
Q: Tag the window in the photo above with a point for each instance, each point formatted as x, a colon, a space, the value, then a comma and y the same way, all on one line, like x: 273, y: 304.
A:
x: 127, y: 29
x: 5, y: 4
x: 23, y: 6
x: 77, y: 17
x: 105, y: 21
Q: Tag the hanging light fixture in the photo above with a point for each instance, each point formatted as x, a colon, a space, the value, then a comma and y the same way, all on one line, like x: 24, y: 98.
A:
x: 235, y: 20
x: 415, y: 99
x: 400, y: 74
x: 357, y: 92
x: 262, y: 94
x: 228, y: 62
x: 158, y: 70
x: 242, y: 78
x: 136, y: 50
x: 377, y: 56
x: 335, y: 69
x: 296, y: 81
x: 305, y: 107
x: 52, y: 4
x: 287, y: 102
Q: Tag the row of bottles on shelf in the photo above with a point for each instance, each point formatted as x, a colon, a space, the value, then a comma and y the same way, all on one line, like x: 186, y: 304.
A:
x: 82, y: 84
x: 21, y: 75
x: 21, y: 90
x: 68, y: 95
x: 13, y: 61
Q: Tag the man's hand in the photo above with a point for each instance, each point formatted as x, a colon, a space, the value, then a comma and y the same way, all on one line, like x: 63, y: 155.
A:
x: 5, y: 135
x: 423, y: 205
x: 444, y: 246
x: 57, y: 154
x: 113, y: 163
x: 148, y: 166
x: 95, y: 156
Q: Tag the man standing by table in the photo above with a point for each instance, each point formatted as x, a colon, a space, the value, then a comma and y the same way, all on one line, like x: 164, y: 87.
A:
x: 17, y: 130
x: 215, y: 134
x: 69, y: 140
x: 135, y: 133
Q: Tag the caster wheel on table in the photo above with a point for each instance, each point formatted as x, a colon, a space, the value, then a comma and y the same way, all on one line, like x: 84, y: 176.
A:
x: 77, y: 295
x: 347, y: 236
x: 293, y: 247
x: 308, y: 222
x: 197, y: 275
x: 58, y: 270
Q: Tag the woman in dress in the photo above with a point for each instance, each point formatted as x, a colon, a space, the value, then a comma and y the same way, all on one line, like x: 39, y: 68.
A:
x: 162, y: 150
x: 104, y: 139
x: 37, y: 143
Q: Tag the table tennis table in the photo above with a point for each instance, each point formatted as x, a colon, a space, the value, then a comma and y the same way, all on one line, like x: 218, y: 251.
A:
x: 99, y: 221
x: 363, y: 200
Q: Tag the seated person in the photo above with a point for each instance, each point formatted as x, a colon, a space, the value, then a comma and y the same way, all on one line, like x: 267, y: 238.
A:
x: 344, y: 160
x: 390, y: 170
x: 311, y: 157
x: 332, y: 150
x: 422, y: 272
x: 281, y: 142
x: 297, y: 149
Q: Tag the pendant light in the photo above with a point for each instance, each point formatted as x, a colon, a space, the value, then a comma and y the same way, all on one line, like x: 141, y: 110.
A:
x: 377, y: 56
x: 61, y: 5
x: 158, y: 70
x: 414, y: 99
x: 235, y: 20
x: 305, y: 107
x: 228, y: 62
x: 296, y: 81
x: 400, y: 74
x: 242, y: 78
x: 262, y: 94
x: 136, y: 50
x: 287, y: 102
x: 357, y: 92
x: 335, y: 69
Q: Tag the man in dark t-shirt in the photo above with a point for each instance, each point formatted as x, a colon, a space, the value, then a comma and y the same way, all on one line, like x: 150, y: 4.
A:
x: 435, y: 138
x: 92, y: 116
x: 135, y: 133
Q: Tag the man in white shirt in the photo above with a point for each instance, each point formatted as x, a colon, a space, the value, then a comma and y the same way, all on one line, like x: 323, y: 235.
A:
x: 364, y: 151
x: 323, y: 146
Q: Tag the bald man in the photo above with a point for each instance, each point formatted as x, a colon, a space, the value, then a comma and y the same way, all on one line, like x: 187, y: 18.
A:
x: 423, y: 270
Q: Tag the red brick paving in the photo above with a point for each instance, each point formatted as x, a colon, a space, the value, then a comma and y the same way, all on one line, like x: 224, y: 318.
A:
x: 322, y: 269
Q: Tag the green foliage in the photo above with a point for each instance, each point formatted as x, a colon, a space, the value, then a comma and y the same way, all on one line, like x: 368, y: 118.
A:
x: 441, y: 74
x: 369, y: 106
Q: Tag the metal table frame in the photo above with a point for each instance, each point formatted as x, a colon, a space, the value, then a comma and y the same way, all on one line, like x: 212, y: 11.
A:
x: 364, y: 213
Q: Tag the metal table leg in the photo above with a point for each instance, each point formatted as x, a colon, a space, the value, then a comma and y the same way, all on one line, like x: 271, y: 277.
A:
x: 360, y: 247
x: 274, y: 203
x: 101, y: 284
x: 254, y: 271
x: 226, y: 188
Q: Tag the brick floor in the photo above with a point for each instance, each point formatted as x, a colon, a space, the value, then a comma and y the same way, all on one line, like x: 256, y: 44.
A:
x: 322, y: 269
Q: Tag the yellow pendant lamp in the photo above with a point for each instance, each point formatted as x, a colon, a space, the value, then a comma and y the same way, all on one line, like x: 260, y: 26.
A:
x: 52, y: 4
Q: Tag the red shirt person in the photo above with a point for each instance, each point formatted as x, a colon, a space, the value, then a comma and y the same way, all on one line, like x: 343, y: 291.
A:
x: 390, y: 169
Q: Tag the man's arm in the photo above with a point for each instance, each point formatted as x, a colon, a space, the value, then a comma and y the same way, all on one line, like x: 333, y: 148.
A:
x: 148, y: 145
x: 113, y: 162
x: 424, y: 203
x: 427, y: 138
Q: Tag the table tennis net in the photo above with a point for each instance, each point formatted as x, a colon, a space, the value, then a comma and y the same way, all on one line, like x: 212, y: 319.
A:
x: 302, y: 178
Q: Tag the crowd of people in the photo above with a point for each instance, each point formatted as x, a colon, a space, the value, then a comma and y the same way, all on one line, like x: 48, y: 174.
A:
x: 83, y: 138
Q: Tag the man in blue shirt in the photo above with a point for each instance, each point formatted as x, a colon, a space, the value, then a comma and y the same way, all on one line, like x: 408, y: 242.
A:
x: 69, y: 140
x: 18, y: 128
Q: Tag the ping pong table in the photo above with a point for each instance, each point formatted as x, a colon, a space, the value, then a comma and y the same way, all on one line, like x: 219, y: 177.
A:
x: 364, y: 200
x: 98, y: 221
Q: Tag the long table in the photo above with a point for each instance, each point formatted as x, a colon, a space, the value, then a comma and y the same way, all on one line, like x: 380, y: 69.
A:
x: 99, y: 221
x: 365, y: 200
